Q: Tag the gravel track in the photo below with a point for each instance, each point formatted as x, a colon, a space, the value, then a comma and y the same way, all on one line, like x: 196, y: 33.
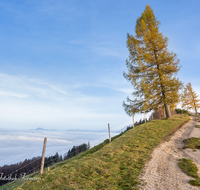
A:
x: 162, y: 172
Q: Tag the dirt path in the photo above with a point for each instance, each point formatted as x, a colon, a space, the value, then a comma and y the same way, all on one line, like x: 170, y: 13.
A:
x: 161, y: 172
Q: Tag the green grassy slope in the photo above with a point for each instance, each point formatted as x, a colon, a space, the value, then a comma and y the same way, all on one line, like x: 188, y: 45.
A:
x: 115, y: 166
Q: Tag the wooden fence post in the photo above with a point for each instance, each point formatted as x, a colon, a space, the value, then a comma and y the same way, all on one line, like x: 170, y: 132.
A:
x: 109, y: 132
x: 43, y: 155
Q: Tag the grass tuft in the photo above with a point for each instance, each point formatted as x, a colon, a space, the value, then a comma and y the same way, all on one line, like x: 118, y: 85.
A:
x: 193, y: 143
x: 194, y: 182
x: 190, y: 168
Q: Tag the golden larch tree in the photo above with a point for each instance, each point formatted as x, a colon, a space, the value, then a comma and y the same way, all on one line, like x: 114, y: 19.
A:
x: 189, y: 98
x: 151, y: 67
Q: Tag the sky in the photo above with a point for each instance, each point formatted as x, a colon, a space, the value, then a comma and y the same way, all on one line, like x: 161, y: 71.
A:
x: 62, y: 62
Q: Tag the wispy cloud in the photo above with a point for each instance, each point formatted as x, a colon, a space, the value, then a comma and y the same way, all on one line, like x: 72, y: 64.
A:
x: 25, y: 87
x: 41, y: 103
x: 2, y: 93
x: 53, y: 87
x: 126, y: 90
x: 28, y: 138
x: 106, y: 51
x: 105, y: 48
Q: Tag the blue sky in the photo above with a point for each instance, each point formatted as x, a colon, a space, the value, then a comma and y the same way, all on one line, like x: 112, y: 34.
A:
x: 62, y: 62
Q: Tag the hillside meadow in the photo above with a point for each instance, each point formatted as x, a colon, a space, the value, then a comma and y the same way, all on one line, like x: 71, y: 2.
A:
x: 115, y: 165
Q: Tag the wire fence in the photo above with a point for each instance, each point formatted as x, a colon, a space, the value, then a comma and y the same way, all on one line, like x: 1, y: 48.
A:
x: 37, y: 168
x: 55, y: 144
x: 76, y: 152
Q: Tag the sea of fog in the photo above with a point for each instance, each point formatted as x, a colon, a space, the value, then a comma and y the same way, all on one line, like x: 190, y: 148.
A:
x: 16, y: 146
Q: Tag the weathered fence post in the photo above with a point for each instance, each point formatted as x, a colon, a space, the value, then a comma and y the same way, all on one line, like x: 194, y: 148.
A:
x: 43, y: 155
x: 109, y: 132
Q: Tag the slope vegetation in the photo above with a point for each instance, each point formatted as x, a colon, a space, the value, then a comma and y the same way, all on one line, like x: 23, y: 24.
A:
x: 115, y: 166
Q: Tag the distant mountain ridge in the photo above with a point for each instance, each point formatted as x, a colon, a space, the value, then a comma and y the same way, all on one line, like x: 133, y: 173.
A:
x: 42, y: 129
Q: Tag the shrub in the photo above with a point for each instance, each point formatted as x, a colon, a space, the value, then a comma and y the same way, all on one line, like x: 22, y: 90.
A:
x: 182, y: 111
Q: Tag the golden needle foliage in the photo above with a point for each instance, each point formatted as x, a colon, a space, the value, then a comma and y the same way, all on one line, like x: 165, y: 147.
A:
x: 151, y: 68
x: 189, y: 98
